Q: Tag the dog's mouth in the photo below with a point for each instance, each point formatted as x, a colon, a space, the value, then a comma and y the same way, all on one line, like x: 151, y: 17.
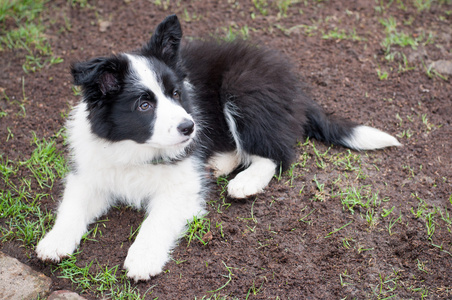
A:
x: 179, y: 143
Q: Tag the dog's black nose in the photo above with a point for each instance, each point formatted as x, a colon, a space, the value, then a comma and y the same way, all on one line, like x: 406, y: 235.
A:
x: 186, y: 127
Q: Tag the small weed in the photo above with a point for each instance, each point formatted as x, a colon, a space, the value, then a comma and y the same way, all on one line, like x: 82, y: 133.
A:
x: 421, y: 208
x: 283, y: 6
x: 319, y: 157
x: 197, y: 229
x: 253, y: 290
x: 422, y: 5
x: 392, y: 222
x: 303, y: 218
x: 234, y: 32
x: 320, y: 194
x: 222, y: 182
x: 80, y: 3
x: 386, y: 286
x: 220, y: 225
x: 346, y: 242
x: 431, y: 72
x: 347, y: 161
x: 338, y: 229
x: 371, y: 217
x: 341, y: 34
x: 261, y: 6
x: 164, y: 4
x: 405, y: 134
x: 134, y: 233
x: 353, y: 198
x: 421, y: 266
x: 343, y: 283
x: 382, y: 75
x: 229, y: 277
x: 290, y: 173
x: 387, y: 212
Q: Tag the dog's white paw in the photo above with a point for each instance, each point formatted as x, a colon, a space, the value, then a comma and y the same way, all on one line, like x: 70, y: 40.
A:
x: 55, y: 246
x: 252, y: 180
x: 242, y: 187
x: 142, y: 263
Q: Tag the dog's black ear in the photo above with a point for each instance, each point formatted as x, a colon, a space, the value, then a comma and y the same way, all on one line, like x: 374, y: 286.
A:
x: 165, y: 41
x: 99, y: 76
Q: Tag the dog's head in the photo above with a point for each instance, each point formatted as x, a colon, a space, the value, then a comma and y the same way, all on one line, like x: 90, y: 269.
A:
x: 140, y: 96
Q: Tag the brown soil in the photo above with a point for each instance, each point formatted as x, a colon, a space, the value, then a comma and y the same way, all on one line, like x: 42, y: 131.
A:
x: 280, y: 241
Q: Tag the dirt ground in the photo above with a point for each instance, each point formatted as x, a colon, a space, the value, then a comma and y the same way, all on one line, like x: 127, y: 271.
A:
x: 298, y: 240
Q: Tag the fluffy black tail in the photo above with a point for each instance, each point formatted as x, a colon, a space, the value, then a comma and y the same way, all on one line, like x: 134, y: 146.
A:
x: 332, y: 130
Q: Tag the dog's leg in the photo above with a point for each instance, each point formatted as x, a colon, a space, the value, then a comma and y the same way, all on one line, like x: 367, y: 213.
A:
x: 80, y: 206
x: 224, y: 163
x: 253, y: 179
x: 158, y: 234
x: 177, y: 200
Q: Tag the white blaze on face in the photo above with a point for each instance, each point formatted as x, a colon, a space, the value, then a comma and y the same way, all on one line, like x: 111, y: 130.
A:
x: 168, y: 114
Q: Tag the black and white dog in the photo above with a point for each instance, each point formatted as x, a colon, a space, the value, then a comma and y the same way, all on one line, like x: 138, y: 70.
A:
x: 150, y: 121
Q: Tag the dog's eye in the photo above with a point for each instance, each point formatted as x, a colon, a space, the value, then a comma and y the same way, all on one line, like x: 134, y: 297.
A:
x: 144, y: 106
x: 176, y: 95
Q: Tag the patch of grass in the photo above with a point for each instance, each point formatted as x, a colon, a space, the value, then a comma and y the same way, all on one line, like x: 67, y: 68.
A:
x: 46, y: 163
x: 395, y: 37
x: 25, y: 221
x: 104, y: 281
x: 347, y: 161
x: 353, y: 198
x: 27, y: 33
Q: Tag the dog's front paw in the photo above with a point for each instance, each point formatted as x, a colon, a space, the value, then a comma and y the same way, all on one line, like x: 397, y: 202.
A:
x: 142, y: 262
x: 53, y: 247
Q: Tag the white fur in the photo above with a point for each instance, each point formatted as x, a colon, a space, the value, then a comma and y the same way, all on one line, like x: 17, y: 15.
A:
x: 253, y: 179
x: 369, y: 138
x: 106, y: 171
x: 168, y: 114
x: 224, y: 163
x: 230, y: 112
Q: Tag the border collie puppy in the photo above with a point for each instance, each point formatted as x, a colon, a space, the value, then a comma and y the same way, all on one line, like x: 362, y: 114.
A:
x: 151, y: 120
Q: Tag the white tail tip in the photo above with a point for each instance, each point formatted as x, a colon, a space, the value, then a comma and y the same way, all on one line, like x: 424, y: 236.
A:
x: 369, y: 138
